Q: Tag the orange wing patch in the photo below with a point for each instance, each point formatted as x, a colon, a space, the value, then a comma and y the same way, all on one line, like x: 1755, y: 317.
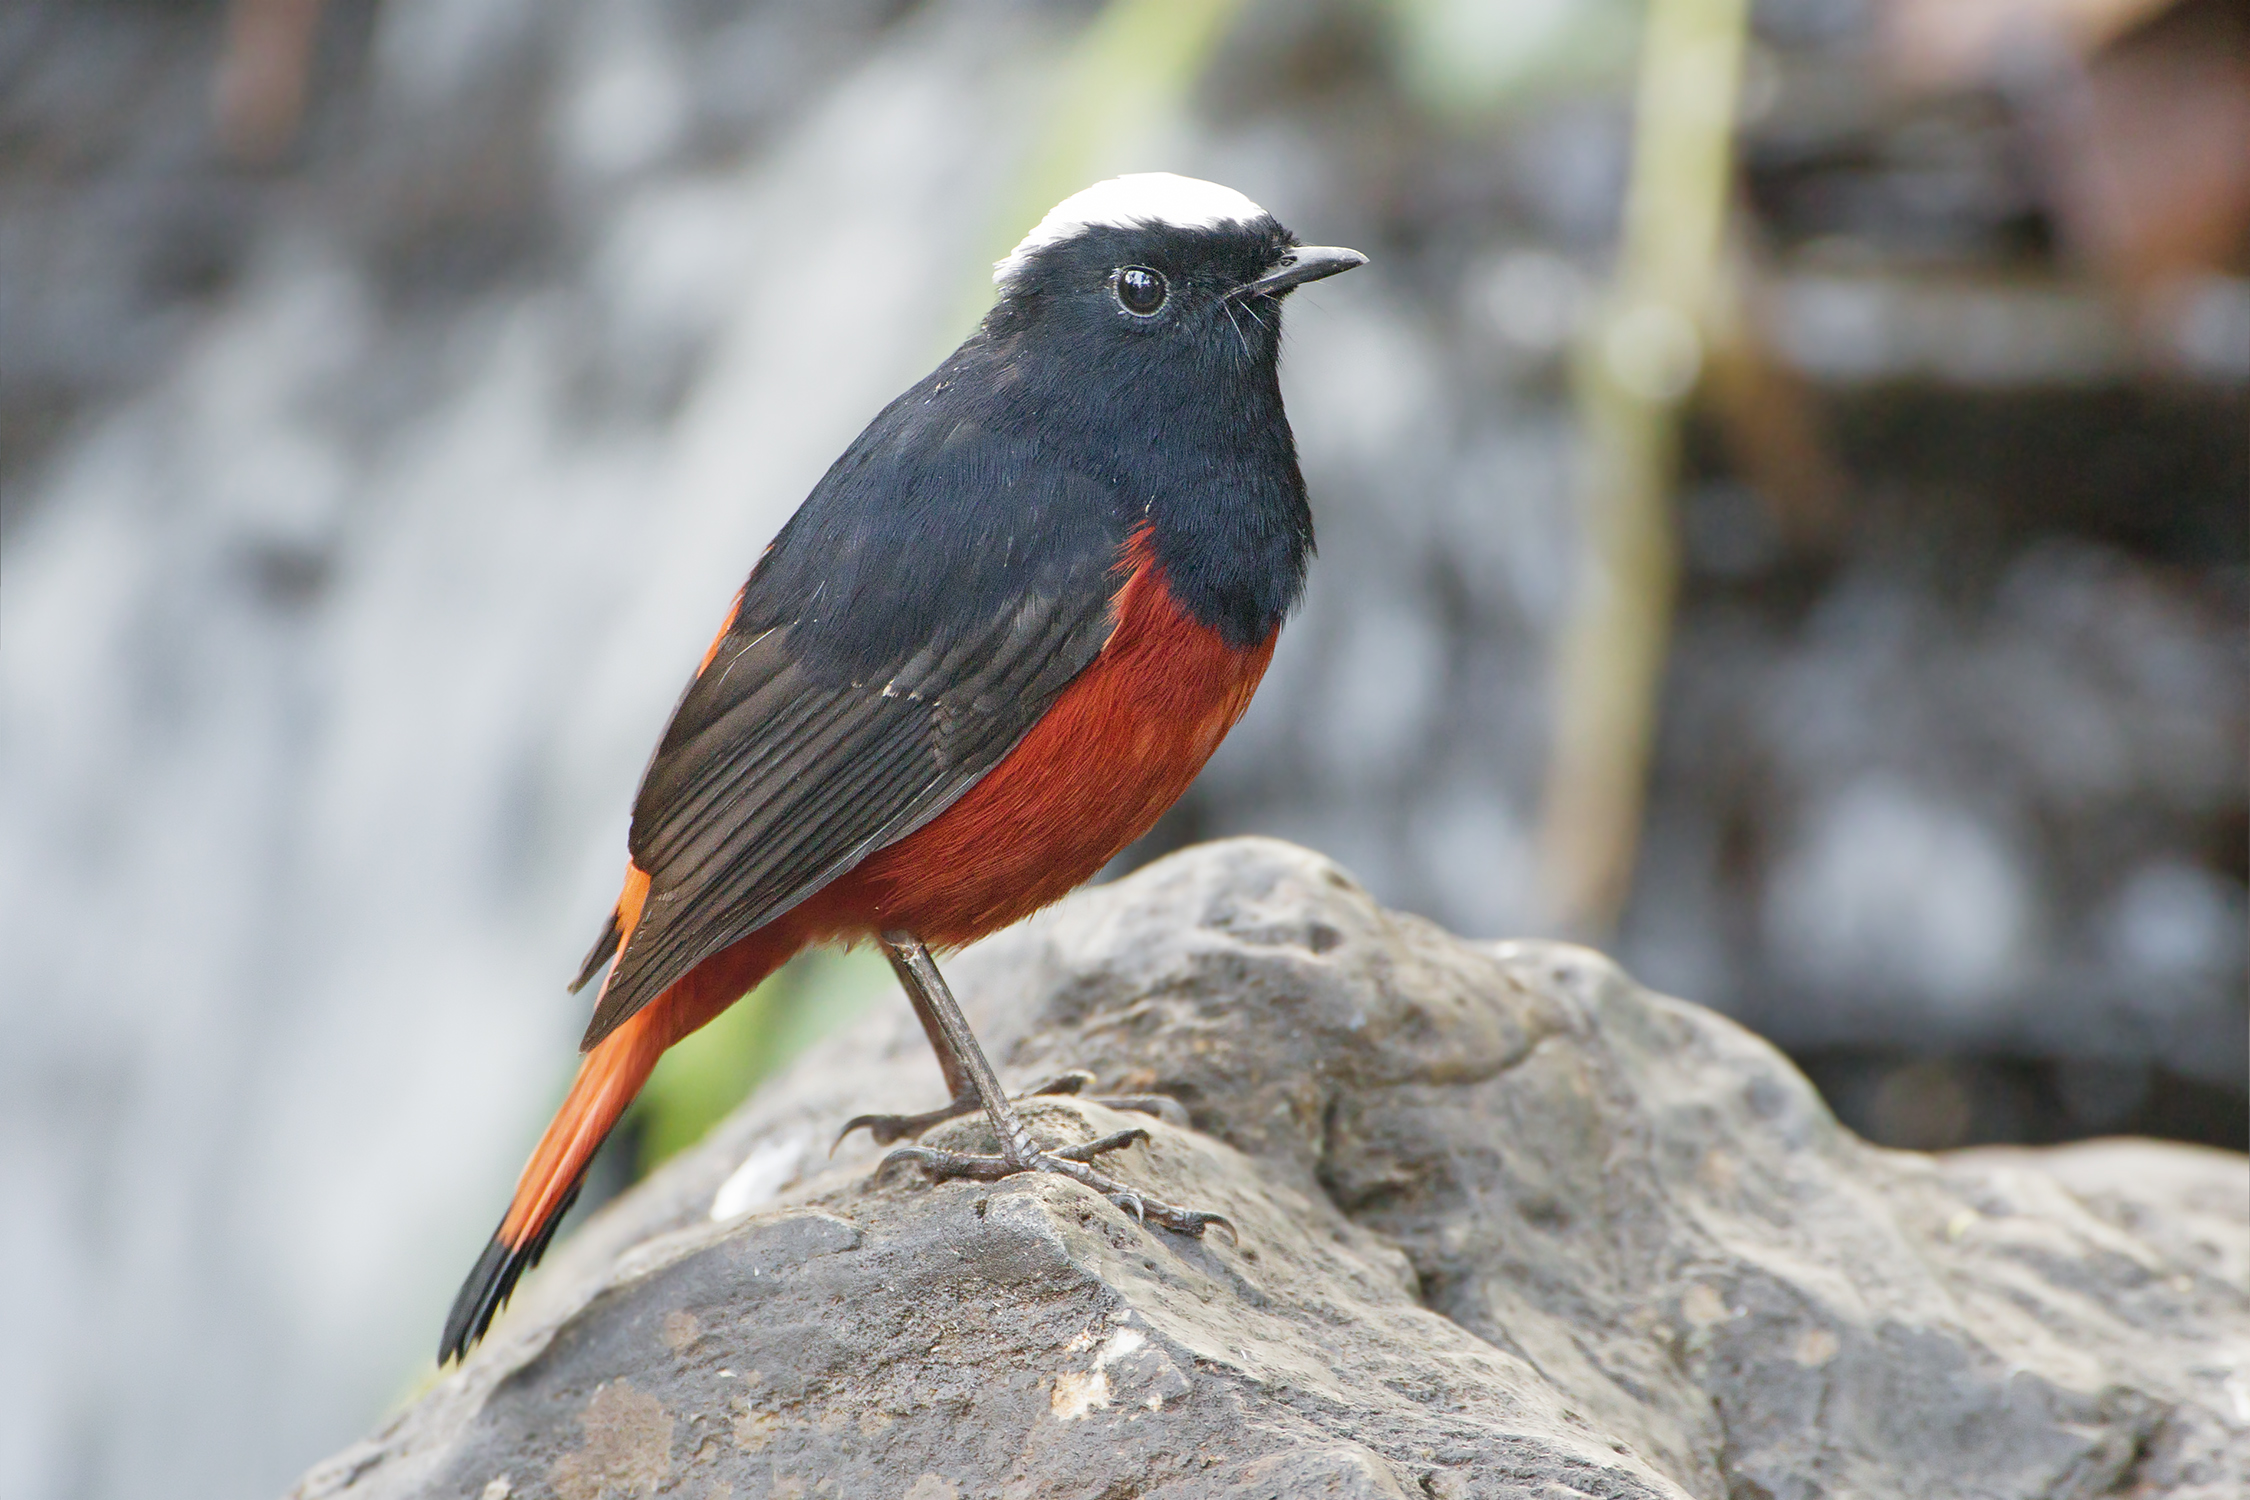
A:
x: 733, y: 613
x: 630, y: 901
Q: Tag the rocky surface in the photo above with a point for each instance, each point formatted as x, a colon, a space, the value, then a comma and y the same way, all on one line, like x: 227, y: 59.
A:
x: 365, y: 510
x: 1510, y: 1225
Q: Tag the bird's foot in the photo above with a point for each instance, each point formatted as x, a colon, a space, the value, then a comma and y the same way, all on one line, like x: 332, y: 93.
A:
x: 1064, y: 1161
x: 888, y: 1128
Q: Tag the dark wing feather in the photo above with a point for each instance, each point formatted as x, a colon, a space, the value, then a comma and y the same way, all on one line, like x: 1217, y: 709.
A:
x: 935, y: 594
x: 785, y: 784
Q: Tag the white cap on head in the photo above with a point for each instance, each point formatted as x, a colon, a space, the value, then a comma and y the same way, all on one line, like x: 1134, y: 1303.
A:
x: 1136, y: 198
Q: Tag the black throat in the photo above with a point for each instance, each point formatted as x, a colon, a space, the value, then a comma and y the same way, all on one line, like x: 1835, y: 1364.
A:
x: 1181, y: 417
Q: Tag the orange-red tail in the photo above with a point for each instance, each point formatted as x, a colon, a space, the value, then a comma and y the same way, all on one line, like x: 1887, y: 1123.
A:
x: 611, y: 1074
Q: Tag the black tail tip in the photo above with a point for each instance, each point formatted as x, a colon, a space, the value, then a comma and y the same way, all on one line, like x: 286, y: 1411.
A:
x: 489, y: 1285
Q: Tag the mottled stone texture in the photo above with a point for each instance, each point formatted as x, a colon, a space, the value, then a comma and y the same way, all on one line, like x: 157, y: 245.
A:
x: 1510, y: 1225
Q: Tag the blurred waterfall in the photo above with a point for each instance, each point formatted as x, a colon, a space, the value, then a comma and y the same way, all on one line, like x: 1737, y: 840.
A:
x: 332, y: 657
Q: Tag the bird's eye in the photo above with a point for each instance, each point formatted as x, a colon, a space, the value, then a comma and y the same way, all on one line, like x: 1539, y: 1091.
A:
x: 1141, y: 291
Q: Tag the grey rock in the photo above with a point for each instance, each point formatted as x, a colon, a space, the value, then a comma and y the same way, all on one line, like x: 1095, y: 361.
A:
x: 1509, y: 1225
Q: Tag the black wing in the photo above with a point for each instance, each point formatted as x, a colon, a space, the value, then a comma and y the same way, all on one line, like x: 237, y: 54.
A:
x: 920, y: 613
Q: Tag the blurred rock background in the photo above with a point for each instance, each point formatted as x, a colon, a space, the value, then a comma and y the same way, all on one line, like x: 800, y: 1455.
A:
x: 392, y: 393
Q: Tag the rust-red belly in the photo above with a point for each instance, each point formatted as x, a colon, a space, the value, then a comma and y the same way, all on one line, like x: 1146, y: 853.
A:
x: 1095, y: 773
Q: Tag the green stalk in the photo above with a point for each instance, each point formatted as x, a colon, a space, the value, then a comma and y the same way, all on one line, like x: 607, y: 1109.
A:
x: 1636, y: 364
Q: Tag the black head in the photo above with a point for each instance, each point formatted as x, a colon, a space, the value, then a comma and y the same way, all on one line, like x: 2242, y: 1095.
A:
x: 1135, y: 344
x: 1157, y: 275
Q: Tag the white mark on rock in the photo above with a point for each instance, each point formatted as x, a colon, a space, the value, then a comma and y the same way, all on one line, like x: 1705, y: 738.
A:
x: 2238, y: 1393
x: 1121, y: 1343
x: 770, y: 1167
x: 498, y: 1489
x: 1814, y: 1348
x: 1702, y: 1305
x: 1075, y: 1394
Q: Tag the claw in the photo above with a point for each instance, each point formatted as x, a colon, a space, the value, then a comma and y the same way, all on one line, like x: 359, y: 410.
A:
x: 851, y: 1125
x: 1206, y: 1220
x: 884, y: 1128
x: 892, y: 1159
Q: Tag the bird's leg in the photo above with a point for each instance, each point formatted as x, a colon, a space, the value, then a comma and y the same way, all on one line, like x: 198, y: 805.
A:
x: 957, y: 1047
x: 888, y: 1128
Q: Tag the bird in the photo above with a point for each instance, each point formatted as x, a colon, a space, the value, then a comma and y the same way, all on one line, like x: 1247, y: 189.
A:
x: 998, y: 639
